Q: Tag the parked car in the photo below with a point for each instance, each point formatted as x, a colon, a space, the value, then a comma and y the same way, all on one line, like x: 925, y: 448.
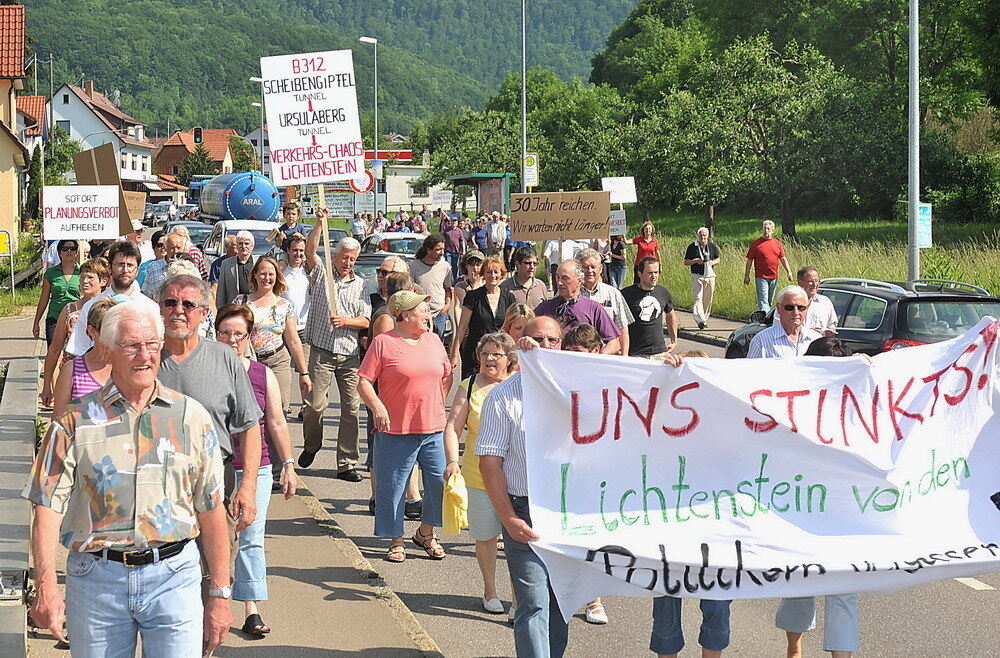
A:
x: 163, y: 212
x: 199, y: 232
x: 394, y: 244
x: 261, y: 230
x: 876, y: 316
x: 336, y: 234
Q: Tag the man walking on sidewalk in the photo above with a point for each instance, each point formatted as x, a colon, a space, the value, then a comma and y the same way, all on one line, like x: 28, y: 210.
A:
x: 651, y: 304
x: 702, y: 256
x: 333, y: 356
x: 765, y: 253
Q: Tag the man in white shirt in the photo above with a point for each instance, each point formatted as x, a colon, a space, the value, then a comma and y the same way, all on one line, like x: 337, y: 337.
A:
x: 297, y: 280
x: 790, y: 337
x: 822, y: 316
x: 604, y: 294
x: 359, y: 227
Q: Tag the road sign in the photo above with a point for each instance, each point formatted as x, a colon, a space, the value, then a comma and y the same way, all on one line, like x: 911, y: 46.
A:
x: 530, y: 169
x: 443, y: 198
x: 80, y: 212
x: 622, y: 189
x: 364, y: 183
x: 924, y: 225
x: 312, y: 117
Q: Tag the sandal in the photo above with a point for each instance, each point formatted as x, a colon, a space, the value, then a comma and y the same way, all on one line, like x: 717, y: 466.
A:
x: 434, y: 551
x: 255, y: 626
x: 596, y: 613
x: 500, y: 543
x: 396, y: 553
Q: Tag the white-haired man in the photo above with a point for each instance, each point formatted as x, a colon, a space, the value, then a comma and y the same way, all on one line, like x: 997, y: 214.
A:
x: 156, y: 273
x: 702, y: 256
x: 822, y: 316
x: 333, y: 336
x: 234, y: 273
x: 790, y: 337
x: 192, y: 250
x: 764, y: 255
x: 132, y: 565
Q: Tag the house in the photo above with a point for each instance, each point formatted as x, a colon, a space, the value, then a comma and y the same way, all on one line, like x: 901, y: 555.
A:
x: 13, y: 154
x: 181, y: 144
x: 31, y: 120
x: 91, y: 119
x: 401, y: 189
x: 170, y: 190
x: 254, y: 137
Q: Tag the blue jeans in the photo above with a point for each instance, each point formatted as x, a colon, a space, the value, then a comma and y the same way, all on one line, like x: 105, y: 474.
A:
x: 539, y: 628
x: 107, y: 602
x: 668, y: 636
x: 616, y: 272
x: 454, y: 259
x: 394, y: 457
x: 250, y: 581
x: 841, y: 620
x: 765, y: 292
x: 440, y: 325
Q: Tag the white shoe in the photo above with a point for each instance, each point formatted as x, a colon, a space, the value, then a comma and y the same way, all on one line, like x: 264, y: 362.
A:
x: 510, y: 613
x: 493, y: 605
x: 596, y: 614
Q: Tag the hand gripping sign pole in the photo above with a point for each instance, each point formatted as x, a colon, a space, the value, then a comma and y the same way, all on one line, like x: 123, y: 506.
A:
x: 331, y: 298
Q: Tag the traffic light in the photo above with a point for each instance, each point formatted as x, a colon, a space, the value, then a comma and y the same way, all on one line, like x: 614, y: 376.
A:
x: 197, y: 136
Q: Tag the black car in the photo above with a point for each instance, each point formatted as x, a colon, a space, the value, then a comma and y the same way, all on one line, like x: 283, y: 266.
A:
x: 876, y: 316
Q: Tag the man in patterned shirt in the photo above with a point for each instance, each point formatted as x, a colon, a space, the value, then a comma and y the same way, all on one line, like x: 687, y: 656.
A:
x: 125, y: 478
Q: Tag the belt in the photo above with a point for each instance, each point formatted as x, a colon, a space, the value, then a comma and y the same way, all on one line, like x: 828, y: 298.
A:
x: 267, y: 355
x: 148, y: 556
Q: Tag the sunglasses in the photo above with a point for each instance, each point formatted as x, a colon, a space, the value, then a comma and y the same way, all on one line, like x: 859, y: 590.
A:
x: 794, y: 307
x: 173, y: 303
x: 384, y: 272
x: 68, y: 247
x: 551, y: 340
x: 159, y: 245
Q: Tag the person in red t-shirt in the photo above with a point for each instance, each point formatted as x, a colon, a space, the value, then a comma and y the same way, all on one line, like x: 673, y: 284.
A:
x: 647, y: 245
x: 764, y: 254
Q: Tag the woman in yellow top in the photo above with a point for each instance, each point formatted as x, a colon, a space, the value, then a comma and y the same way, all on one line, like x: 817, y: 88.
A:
x: 497, y: 360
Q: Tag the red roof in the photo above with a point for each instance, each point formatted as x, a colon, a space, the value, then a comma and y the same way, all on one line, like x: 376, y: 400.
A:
x: 169, y: 182
x: 215, y: 141
x: 33, y: 109
x: 11, y: 41
x: 112, y: 117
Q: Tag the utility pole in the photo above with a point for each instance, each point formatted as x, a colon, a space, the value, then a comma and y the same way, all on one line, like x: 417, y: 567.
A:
x: 524, y: 102
x: 913, y: 174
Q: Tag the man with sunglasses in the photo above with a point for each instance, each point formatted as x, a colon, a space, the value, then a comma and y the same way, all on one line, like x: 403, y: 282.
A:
x: 124, y: 259
x: 821, y: 316
x: 156, y: 273
x: 790, y: 337
x: 523, y: 285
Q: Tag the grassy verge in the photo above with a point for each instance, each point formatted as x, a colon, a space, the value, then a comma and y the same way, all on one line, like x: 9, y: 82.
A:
x: 22, y: 297
x: 871, y: 250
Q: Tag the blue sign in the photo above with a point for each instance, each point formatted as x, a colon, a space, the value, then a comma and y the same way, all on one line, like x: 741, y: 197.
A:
x: 924, y: 225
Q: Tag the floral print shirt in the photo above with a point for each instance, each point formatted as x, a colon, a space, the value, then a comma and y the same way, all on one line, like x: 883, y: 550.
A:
x: 128, y: 479
x: 268, y: 334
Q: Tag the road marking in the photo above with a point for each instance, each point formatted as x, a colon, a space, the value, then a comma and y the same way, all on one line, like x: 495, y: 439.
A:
x: 974, y: 584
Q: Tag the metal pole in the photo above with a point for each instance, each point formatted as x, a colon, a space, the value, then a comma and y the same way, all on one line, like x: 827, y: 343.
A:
x: 913, y: 177
x: 524, y: 104
x: 261, y: 144
x: 44, y: 120
x: 375, y: 147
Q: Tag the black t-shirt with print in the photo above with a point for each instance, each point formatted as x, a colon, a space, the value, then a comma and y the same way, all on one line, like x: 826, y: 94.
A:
x: 645, y: 335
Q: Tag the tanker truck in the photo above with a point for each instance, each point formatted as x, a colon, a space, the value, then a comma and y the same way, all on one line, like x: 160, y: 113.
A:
x: 240, y: 195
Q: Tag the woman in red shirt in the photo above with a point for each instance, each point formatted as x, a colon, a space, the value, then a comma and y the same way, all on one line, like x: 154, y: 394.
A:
x: 646, y: 243
x: 413, y: 374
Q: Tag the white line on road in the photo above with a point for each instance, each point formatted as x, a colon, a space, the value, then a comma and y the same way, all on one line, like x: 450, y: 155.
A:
x: 974, y: 584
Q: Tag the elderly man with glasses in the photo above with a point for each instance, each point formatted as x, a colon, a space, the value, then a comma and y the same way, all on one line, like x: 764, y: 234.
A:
x: 790, y: 337
x: 234, y: 273
x: 125, y: 478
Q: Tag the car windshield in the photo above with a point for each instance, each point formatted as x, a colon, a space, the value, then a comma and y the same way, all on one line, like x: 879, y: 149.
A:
x: 261, y: 245
x: 199, y: 233
x: 368, y: 272
x: 934, y: 320
x: 408, y: 246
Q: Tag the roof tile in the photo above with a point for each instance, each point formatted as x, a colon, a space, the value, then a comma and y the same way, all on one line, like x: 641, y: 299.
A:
x: 11, y: 41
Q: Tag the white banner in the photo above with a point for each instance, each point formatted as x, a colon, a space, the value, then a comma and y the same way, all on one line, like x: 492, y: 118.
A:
x: 728, y: 479
x: 312, y: 117
x: 80, y: 212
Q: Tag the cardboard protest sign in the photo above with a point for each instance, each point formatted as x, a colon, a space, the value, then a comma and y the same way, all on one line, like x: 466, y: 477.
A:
x: 311, y: 102
x: 135, y: 202
x: 622, y: 189
x: 728, y: 479
x: 80, y: 212
x: 560, y: 216
x: 99, y: 166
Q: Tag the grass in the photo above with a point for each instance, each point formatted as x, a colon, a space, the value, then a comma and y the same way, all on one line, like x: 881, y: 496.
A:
x: 865, y: 249
x: 22, y: 297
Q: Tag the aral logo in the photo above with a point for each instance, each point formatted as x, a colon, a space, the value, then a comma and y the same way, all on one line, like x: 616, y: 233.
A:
x: 252, y: 202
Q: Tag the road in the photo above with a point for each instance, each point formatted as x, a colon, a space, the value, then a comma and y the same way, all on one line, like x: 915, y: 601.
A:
x: 948, y: 618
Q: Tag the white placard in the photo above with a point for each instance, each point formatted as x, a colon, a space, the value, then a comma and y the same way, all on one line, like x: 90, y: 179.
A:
x: 80, y: 212
x: 736, y: 478
x: 618, y: 222
x: 622, y: 189
x: 530, y: 169
x: 314, y: 134
x: 443, y: 198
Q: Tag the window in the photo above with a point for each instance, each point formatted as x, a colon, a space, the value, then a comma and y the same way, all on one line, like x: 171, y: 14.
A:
x: 865, y: 313
x: 138, y: 133
x: 145, y: 164
x: 135, y: 161
x: 124, y: 161
x: 417, y: 190
x: 840, y: 300
x: 65, y: 99
x: 174, y: 169
x: 254, y: 142
x: 63, y: 126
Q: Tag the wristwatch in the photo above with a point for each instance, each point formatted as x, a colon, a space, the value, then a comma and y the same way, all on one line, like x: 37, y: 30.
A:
x: 223, y: 593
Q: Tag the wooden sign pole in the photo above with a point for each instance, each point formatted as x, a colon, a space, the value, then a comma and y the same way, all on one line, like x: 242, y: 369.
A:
x: 331, y: 298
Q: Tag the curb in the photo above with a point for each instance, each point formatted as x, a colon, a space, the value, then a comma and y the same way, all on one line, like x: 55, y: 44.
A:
x: 384, y: 594
x: 701, y: 337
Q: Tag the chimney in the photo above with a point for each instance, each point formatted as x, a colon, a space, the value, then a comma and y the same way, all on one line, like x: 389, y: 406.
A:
x: 89, y: 88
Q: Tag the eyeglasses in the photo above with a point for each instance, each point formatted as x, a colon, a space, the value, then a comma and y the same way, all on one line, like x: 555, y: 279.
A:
x: 382, y: 272
x: 794, y: 307
x: 492, y: 355
x: 159, y: 245
x: 68, y: 247
x: 132, y: 349
x: 173, y: 303
x: 551, y: 340
x: 225, y: 334
x: 125, y: 267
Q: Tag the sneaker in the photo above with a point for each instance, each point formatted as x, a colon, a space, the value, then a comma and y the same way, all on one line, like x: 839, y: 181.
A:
x: 596, y: 614
x: 306, y: 458
x: 701, y: 325
x: 493, y: 605
x: 413, y: 509
x: 350, y: 475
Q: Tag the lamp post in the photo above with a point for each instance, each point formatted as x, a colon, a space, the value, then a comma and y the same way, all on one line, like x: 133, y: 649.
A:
x: 261, y: 106
x: 374, y: 43
x: 524, y: 103
x: 913, y: 169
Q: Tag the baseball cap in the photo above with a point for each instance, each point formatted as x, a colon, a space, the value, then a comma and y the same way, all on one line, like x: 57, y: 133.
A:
x: 475, y: 253
x: 136, y: 225
x: 404, y: 300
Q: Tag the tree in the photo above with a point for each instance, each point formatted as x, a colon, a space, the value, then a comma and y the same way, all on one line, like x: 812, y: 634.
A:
x: 198, y: 163
x: 59, y: 152
x: 244, y: 155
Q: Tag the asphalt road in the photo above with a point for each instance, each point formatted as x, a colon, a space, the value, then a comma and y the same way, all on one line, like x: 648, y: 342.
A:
x: 948, y: 618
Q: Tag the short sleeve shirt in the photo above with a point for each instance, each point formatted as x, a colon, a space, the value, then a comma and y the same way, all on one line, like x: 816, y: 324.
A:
x: 765, y: 254
x: 773, y: 343
x: 501, y: 432
x: 483, y: 319
x: 709, y: 252
x: 63, y: 289
x: 580, y: 311
x: 289, y: 231
x: 645, y: 334
x: 125, y: 478
x: 433, y: 280
x: 532, y: 294
x: 268, y: 324
x: 611, y: 299
x: 649, y: 249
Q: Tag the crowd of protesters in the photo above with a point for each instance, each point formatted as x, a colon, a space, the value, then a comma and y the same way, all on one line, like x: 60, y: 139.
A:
x: 190, y: 369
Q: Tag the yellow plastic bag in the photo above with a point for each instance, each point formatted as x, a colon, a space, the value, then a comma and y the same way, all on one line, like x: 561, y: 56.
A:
x: 455, y: 506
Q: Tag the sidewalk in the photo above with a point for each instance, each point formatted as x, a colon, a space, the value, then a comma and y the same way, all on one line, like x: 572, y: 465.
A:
x: 716, y: 332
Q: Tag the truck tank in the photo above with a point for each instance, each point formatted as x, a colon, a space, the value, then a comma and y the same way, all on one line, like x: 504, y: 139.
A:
x: 240, y: 195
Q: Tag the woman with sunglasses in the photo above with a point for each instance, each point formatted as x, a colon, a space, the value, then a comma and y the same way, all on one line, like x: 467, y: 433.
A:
x: 60, y: 286
x: 275, y: 335
x: 233, y: 326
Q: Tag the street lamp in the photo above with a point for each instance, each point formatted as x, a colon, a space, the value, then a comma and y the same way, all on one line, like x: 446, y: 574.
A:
x: 261, y: 106
x: 524, y: 106
x: 913, y: 168
x: 374, y: 43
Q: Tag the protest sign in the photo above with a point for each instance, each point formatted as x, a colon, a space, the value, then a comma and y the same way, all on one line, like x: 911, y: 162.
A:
x: 311, y: 103
x: 80, y: 212
x: 560, y: 216
x: 135, y: 202
x: 442, y: 198
x: 618, y: 222
x: 99, y: 166
x: 728, y: 479
x: 622, y: 189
